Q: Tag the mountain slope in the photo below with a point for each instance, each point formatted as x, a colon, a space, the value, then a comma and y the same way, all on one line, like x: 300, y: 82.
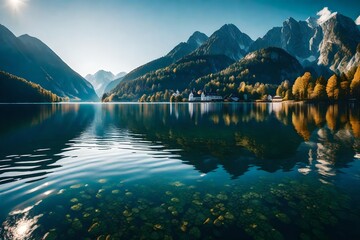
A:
x: 30, y: 58
x: 112, y: 85
x: 269, y: 66
x: 178, y: 52
x: 100, y: 80
x: 18, y: 90
x: 341, y: 37
x: 327, y: 44
x: 174, y: 77
x: 294, y: 37
x: 228, y: 41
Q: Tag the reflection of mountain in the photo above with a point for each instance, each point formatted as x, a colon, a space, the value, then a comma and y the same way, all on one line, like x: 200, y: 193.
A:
x: 210, y: 134
x: 235, y: 136
x: 37, y: 135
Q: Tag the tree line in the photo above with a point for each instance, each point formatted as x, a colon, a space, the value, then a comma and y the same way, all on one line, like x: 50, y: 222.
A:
x: 14, y: 89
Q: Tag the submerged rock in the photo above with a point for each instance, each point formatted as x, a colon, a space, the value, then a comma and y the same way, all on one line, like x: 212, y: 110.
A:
x: 76, y: 207
x: 94, y: 228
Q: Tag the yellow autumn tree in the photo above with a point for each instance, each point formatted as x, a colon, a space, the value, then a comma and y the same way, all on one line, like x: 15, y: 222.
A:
x: 332, y: 88
x: 355, y: 85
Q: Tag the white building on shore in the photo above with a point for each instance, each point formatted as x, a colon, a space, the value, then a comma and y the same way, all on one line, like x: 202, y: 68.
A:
x: 204, y: 97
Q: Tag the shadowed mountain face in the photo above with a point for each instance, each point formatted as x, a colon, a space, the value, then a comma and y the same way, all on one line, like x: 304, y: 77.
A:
x: 18, y: 90
x: 165, y: 80
x: 270, y: 65
x: 29, y: 58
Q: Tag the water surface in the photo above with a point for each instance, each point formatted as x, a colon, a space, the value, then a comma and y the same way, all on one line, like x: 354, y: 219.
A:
x: 174, y: 171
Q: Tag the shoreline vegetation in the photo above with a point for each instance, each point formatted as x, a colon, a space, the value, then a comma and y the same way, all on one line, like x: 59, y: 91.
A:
x: 343, y: 87
x: 306, y: 89
x: 14, y: 89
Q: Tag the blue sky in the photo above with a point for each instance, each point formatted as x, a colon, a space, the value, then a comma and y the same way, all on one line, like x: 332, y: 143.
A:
x: 120, y: 35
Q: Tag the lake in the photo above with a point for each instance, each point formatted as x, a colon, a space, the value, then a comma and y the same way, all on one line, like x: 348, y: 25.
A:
x: 180, y: 171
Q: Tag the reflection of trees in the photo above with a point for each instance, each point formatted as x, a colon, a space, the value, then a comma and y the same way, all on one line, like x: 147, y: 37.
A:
x: 240, y: 135
x: 354, y: 120
x: 227, y: 134
x: 331, y: 117
x: 37, y: 141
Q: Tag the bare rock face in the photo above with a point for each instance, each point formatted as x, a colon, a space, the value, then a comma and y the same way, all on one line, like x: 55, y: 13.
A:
x: 327, y: 44
x: 338, y: 47
x: 228, y: 41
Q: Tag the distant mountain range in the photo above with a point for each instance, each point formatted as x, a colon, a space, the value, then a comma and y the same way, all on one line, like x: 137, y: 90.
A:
x: 101, y: 80
x: 331, y: 44
x: 29, y: 58
x: 324, y: 47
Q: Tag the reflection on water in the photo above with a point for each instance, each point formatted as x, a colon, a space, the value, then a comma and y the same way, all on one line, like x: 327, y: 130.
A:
x: 178, y: 169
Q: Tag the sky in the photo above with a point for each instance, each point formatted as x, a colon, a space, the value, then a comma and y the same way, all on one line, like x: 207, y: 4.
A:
x: 120, y: 35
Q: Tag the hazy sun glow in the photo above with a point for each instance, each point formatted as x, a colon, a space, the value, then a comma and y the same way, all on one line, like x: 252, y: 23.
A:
x: 16, y: 4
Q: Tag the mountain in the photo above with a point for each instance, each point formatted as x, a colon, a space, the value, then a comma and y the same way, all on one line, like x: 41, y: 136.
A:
x: 228, y: 41
x: 270, y: 66
x: 341, y: 37
x: 159, y: 84
x: 120, y: 75
x: 294, y: 37
x: 100, y: 80
x: 324, y: 44
x: 185, y: 48
x: 178, y: 52
x: 111, y: 85
x: 28, y: 57
x: 18, y: 90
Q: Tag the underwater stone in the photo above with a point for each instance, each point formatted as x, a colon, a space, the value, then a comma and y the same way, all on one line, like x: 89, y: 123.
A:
x: 127, y: 213
x: 51, y: 235
x: 158, y: 227
x: 184, y: 226
x: 94, y: 228
x: 76, y: 186
x: 222, y: 197
x: 197, y: 202
x: 177, y: 184
x: 76, y: 207
x: 175, y: 200
x: 229, y: 216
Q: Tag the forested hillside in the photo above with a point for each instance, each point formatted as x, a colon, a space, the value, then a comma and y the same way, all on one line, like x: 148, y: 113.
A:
x: 15, y: 90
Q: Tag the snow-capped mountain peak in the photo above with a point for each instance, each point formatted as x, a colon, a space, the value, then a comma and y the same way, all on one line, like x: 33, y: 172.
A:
x: 324, y: 15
